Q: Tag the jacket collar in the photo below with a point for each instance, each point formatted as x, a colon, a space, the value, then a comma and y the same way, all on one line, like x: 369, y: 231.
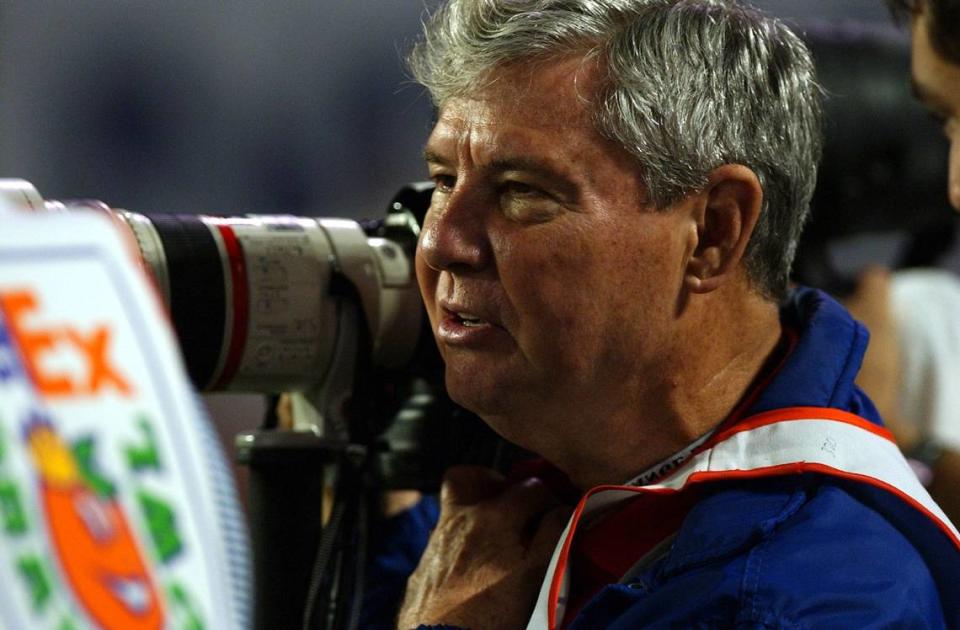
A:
x: 819, y: 372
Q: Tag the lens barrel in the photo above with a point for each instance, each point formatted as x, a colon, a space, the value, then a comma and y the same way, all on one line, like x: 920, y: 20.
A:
x: 198, y: 301
x: 256, y: 300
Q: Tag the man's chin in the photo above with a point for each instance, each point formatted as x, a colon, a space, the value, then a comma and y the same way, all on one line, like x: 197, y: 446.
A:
x: 497, y: 405
x: 485, y: 400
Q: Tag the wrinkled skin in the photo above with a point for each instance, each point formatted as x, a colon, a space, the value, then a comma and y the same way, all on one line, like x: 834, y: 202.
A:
x: 539, y: 229
x: 488, y: 554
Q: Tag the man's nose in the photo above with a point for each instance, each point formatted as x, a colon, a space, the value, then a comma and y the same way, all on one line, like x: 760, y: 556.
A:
x: 454, y: 234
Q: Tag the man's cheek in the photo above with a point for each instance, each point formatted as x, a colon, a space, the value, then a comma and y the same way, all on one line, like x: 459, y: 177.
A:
x: 554, y: 335
x: 427, y: 281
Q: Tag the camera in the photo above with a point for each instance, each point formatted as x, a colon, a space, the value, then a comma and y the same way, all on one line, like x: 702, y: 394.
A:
x: 328, y: 310
x: 255, y: 299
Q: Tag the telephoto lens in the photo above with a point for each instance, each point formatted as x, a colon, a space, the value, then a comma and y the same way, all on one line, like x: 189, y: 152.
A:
x: 255, y: 299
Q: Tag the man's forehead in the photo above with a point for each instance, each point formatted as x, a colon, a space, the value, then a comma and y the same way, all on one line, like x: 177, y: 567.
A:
x: 486, y: 116
x: 546, y: 93
x: 526, y: 140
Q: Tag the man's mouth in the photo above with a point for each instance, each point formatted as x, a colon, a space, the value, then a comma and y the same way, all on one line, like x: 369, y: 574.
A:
x: 461, y: 327
x: 469, y: 320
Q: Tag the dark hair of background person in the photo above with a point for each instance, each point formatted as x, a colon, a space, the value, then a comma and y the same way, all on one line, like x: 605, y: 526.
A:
x: 944, y: 23
x: 881, y: 176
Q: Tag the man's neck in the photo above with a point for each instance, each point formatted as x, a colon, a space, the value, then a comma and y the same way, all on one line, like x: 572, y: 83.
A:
x: 705, y: 378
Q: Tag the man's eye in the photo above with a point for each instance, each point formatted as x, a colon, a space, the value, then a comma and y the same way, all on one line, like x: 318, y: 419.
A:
x: 444, y: 183
x: 520, y: 189
x: 527, y: 204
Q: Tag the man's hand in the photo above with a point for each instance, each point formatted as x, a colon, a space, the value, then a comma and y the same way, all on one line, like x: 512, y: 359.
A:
x: 488, y: 554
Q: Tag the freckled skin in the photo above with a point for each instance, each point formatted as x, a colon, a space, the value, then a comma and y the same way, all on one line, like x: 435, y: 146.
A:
x: 587, y: 297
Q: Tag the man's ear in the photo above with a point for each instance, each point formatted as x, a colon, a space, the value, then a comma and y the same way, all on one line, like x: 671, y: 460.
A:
x: 728, y: 210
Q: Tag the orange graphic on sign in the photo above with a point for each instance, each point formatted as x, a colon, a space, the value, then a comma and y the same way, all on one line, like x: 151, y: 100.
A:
x: 34, y: 343
x: 92, y: 539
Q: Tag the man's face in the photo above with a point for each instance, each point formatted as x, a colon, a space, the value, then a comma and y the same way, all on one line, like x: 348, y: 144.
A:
x: 550, y: 283
x: 937, y: 84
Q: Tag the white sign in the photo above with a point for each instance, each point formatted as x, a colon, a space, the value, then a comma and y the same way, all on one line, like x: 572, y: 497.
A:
x: 114, y: 510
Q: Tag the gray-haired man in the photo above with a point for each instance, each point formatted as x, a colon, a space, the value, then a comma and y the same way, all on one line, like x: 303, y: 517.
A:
x: 620, y: 188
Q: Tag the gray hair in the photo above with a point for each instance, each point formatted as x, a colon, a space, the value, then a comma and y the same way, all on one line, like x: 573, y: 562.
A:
x: 689, y: 85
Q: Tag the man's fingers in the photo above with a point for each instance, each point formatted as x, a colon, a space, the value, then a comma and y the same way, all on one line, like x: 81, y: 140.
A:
x: 468, y: 485
x: 519, y: 513
x: 545, y: 540
x: 525, y: 500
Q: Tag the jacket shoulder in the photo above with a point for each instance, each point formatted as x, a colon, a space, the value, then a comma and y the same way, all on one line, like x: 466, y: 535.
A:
x: 792, y: 552
x: 831, y: 560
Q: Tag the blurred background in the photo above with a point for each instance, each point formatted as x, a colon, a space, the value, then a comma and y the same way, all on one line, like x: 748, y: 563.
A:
x: 184, y: 106
x: 233, y: 107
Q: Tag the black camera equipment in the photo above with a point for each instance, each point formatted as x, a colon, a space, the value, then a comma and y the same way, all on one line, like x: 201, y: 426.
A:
x: 327, y: 311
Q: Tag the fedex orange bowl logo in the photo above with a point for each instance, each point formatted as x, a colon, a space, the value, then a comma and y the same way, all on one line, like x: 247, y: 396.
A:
x: 107, y: 515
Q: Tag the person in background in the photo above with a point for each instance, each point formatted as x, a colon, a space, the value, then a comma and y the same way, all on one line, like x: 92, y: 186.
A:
x: 935, y: 69
x: 620, y: 187
x: 880, y: 237
x: 913, y: 364
x: 912, y: 369
x: 926, y: 305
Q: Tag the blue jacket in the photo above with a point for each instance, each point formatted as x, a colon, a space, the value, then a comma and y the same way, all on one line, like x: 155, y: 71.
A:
x: 787, y: 552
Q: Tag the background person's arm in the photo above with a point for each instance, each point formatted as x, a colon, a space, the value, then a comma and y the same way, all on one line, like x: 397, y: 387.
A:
x: 880, y: 377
